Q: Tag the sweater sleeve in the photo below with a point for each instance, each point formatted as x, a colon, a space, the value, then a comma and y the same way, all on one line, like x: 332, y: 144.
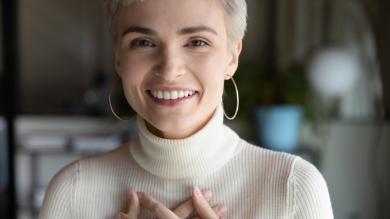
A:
x: 59, y: 196
x: 309, y: 192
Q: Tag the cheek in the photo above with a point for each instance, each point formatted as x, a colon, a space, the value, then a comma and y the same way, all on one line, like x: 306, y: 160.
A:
x: 211, y: 61
x: 211, y: 71
x: 133, y: 69
x: 133, y: 73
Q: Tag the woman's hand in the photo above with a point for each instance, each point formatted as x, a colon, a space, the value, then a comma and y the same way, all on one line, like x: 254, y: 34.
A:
x: 198, y: 201
x: 133, y: 208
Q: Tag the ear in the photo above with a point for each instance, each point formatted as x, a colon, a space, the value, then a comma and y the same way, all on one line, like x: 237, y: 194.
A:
x: 235, y: 51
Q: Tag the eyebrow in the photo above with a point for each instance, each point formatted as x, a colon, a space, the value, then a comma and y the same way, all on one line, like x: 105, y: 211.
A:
x: 138, y: 29
x: 184, y: 31
x: 201, y: 28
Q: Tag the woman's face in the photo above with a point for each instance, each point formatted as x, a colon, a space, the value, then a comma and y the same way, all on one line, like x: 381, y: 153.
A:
x: 173, y: 57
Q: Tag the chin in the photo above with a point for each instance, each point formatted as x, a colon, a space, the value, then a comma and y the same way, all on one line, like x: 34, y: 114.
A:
x: 173, y: 128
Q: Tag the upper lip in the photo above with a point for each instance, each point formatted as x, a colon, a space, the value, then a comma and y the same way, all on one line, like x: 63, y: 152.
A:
x: 169, y: 88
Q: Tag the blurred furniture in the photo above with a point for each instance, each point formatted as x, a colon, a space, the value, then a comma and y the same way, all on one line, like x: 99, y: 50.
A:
x: 48, y: 143
x: 354, y: 161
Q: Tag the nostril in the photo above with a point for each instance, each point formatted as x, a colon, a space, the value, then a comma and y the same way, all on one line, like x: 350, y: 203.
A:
x: 169, y: 72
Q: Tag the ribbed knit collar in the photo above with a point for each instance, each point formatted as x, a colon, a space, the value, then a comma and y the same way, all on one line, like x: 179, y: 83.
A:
x: 198, y: 155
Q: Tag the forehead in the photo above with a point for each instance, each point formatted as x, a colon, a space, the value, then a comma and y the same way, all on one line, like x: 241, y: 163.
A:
x: 172, y: 14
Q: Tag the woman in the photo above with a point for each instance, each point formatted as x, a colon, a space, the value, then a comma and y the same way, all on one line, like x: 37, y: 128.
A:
x: 173, y: 57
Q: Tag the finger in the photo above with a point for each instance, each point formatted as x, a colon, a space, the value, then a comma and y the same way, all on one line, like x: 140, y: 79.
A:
x: 201, y: 206
x: 133, y: 209
x: 220, y: 211
x: 156, y: 208
x: 185, y: 208
x: 121, y: 216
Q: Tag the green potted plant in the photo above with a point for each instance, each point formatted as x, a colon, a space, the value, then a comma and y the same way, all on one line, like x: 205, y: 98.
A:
x: 278, y: 100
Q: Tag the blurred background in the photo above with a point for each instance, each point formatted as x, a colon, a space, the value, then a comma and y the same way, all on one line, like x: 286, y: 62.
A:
x: 314, y: 80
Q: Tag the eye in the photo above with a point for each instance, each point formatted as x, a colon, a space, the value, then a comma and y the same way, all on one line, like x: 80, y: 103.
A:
x: 141, y: 43
x: 197, y: 43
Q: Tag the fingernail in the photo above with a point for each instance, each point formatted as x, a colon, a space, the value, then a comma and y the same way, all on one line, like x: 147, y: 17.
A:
x: 197, y: 191
x: 118, y: 216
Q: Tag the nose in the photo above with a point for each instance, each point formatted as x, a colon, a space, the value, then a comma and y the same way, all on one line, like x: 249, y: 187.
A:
x: 170, y: 65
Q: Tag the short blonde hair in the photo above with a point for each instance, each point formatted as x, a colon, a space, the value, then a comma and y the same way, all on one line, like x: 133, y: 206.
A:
x: 235, y: 15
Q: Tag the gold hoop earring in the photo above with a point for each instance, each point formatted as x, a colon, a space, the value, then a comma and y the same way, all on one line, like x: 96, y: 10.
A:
x: 113, y: 111
x: 237, y: 100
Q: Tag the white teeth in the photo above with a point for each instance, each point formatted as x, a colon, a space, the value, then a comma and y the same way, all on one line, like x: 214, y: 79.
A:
x: 167, y: 95
x: 181, y: 94
x: 171, y: 95
x: 159, y: 95
x: 174, y: 95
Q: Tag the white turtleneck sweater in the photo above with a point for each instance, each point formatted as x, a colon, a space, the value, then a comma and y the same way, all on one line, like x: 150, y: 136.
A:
x: 250, y: 181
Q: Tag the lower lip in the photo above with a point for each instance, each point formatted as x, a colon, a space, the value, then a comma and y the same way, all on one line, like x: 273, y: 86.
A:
x: 175, y: 102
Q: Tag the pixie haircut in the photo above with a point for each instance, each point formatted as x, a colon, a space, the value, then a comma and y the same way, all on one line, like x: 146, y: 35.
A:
x: 235, y: 12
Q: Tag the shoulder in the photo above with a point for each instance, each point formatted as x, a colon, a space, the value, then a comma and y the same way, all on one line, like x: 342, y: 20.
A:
x: 66, y: 173
x: 70, y: 174
x: 263, y: 165
x: 65, y: 177
x: 308, y: 192
x: 305, y: 173
x: 107, y: 166
x: 109, y: 158
x: 267, y: 157
x: 63, y: 189
x: 59, y: 195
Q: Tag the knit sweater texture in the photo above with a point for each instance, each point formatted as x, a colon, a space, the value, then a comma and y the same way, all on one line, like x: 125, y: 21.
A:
x: 252, y: 182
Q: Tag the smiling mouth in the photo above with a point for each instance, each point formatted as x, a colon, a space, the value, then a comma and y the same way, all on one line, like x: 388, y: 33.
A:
x: 171, y: 95
x: 171, y: 98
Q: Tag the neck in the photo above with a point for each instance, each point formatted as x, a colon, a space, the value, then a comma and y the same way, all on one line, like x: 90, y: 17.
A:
x: 199, y: 154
